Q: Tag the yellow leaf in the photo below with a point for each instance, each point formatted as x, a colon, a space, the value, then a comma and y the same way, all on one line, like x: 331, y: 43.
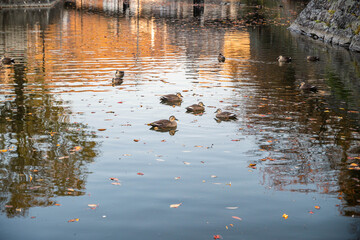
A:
x: 285, y: 216
x: 175, y: 205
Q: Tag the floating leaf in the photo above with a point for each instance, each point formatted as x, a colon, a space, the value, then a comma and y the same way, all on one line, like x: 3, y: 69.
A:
x: 311, y: 212
x: 186, y: 163
x: 213, y: 176
x: 114, y: 179
x: 176, y: 178
x: 3, y: 150
x: 175, y: 205
x: 116, y: 183
x: 93, y: 206
x: 217, y: 237
x: 285, y: 216
x: 140, y: 173
x: 74, y: 220
x: 317, y: 207
x: 136, y: 140
x: 238, y: 218
x: 232, y: 208
x: 101, y: 129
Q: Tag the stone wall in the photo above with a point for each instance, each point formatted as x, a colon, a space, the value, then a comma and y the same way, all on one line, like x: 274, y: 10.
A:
x: 27, y: 3
x: 332, y: 21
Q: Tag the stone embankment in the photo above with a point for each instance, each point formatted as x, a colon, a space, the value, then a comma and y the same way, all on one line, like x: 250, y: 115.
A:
x: 27, y: 3
x: 332, y: 21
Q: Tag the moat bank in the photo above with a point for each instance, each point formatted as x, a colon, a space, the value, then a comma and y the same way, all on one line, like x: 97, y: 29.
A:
x: 335, y: 22
x: 27, y: 4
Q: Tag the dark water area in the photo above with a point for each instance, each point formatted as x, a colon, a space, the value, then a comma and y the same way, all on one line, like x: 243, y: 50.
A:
x: 78, y: 160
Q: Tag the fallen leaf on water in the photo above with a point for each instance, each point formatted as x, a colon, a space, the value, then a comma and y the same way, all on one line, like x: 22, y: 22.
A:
x: 3, y: 150
x: 136, y: 140
x: 116, y: 183
x: 77, y: 148
x: 252, y: 165
x: 235, y: 217
x: 311, y: 212
x: 217, y: 237
x: 74, y: 220
x: 232, y: 208
x: 70, y: 189
x: 177, y: 178
x: 101, y: 129
x: 317, y: 207
x: 120, y: 102
x: 285, y: 216
x: 93, y: 206
x: 231, y: 224
x: 126, y: 155
x: 114, y: 179
x: 140, y: 173
x: 163, y: 140
x: 187, y: 163
x: 175, y: 205
x: 57, y: 204
x: 213, y: 176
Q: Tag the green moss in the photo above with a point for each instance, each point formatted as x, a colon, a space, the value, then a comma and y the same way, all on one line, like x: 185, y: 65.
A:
x: 317, y: 21
x: 331, y: 12
x: 357, y: 31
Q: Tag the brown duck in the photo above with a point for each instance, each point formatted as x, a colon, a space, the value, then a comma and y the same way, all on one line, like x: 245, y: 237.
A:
x: 172, y: 98
x: 196, y: 108
x: 7, y: 60
x: 307, y: 87
x: 225, y: 115
x: 118, y: 80
x: 164, y: 123
x: 221, y: 58
x: 312, y: 58
x: 283, y: 59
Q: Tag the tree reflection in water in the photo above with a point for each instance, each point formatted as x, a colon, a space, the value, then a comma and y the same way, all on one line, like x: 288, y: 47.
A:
x: 43, y: 154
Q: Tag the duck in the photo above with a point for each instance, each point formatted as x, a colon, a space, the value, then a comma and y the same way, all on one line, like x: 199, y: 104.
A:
x: 225, y: 115
x: 119, y: 74
x: 307, y: 87
x: 200, y: 107
x: 164, y: 123
x: 118, y: 80
x: 172, y: 98
x: 283, y: 59
x: 312, y: 58
x: 7, y: 60
x: 221, y: 58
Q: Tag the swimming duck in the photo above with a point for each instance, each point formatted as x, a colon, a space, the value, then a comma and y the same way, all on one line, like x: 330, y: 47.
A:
x: 7, y: 60
x: 312, y: 58
x: 172, y: 98
x: 119, y: 74
x: 200, y: 107
x: 221, y: 58
x: 307, y: 87
x: 283, y: 59
x: 118, y: 80
x: 164, y: 123
x: 225, y: 115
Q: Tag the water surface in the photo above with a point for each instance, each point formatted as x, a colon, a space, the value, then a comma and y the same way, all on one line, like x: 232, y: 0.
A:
x: 69, y: 138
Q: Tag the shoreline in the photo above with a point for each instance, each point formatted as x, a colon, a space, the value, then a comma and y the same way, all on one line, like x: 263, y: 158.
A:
x: 29, y: 5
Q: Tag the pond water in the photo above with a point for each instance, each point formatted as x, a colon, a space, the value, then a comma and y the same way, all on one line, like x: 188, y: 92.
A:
x: 78, y: 160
